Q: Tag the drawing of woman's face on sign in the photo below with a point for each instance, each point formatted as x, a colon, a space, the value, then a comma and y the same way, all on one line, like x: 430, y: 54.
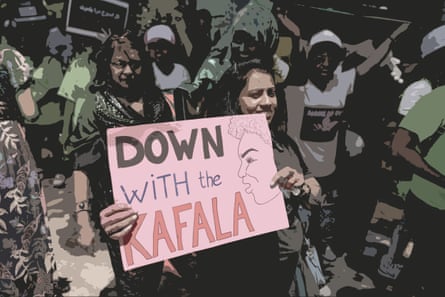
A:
x: 252, y: 149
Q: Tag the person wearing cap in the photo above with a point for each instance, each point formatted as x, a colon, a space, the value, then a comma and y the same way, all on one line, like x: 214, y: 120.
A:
x: 429, y: 73
x: 315, y: 111
x: 160, y: 42
x: 425, y: 202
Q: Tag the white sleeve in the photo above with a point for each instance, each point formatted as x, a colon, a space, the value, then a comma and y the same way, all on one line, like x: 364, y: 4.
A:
x: 412, y: 94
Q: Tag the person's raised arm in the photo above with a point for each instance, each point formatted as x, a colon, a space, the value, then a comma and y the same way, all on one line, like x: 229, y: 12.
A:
x: 19, y: 69
x: 381, y: 51
x: 298, y: 51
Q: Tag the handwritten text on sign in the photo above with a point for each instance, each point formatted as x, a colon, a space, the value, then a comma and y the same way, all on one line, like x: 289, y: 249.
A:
x: 196, y: 184
x: 89, y: 18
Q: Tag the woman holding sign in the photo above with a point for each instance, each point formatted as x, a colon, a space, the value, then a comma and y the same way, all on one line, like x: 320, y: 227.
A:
x: 256, y: 267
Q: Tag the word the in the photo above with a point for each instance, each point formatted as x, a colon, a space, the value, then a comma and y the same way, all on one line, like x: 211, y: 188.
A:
x: 209, y: 181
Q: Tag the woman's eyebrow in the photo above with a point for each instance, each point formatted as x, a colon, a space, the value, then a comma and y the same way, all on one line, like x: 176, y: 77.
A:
x: 248, y: 151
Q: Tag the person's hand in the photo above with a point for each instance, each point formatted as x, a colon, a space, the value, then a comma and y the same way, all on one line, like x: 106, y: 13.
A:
x: 396, y: 72
x: 103, y: 35
x: 117, y: 220
x: 315, y: 197
x: 287, y: 178
x: 289, y: 24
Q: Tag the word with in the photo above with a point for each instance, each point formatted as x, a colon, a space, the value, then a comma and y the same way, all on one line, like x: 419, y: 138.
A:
x: 180, y: 148
x: 164, y: 180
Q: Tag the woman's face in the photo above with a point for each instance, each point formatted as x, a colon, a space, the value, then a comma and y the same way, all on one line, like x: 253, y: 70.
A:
x: 160, y: 51
x: 244, y: 47
x: 125, y: 65
x: 258, y: 95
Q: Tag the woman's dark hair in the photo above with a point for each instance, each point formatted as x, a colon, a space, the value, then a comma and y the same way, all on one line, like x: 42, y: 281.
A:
x: 103, y: 57
x: 7, y: 94
x: 224, y: 97
x: 6, y: 90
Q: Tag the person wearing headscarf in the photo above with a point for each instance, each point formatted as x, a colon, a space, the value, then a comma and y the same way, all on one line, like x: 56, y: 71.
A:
x: 253, y: 34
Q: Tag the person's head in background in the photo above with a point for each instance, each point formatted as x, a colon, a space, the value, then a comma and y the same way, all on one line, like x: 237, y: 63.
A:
x: 59, y: 45
x: 159, y: 42
x: 254, y: 34
x: 325, y: 54
x: 427, y: 73
x: 432, y: 51
x: 246, y: 88
x: 122, y: 67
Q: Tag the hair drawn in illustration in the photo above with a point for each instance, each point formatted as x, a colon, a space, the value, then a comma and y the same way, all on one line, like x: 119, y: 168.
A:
x: 254, y: 143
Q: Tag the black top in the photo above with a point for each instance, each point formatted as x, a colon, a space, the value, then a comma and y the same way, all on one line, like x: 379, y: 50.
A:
x: 110, y: 113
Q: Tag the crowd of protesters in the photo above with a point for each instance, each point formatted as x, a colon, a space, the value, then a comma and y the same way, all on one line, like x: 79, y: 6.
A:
x: 347, y: 116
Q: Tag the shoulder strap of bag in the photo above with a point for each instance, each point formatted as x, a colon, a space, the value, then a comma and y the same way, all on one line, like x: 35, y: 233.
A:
x: 426, y: 145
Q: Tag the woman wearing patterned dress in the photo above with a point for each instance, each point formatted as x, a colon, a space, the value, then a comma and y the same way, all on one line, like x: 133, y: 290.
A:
x: 26, y: 254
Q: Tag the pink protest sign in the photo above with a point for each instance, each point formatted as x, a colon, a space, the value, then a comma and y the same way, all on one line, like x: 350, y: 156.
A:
x: 196, y: 184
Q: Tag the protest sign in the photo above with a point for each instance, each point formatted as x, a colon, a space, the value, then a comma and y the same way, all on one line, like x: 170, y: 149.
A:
x: 89, y: 17
x: 196, y: 184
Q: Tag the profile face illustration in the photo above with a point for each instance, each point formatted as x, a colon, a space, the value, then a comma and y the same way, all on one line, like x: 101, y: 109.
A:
x: 252, y: 148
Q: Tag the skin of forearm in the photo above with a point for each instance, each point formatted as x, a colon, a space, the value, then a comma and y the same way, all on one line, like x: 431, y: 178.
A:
x: 314, y: 186
x: 81, y: 188
x: 27, y: 105
x: 375, y: 57
x: 403, y: 146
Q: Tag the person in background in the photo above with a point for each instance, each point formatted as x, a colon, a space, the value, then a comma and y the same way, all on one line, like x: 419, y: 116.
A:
x: 419, y: 141
x: 160, y: 44
x: 80, y: 135
x: 253, y: 34
x: 47, y: 77
x: 171, y: 12
x: 317, y: 123
x: 425, y: 207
